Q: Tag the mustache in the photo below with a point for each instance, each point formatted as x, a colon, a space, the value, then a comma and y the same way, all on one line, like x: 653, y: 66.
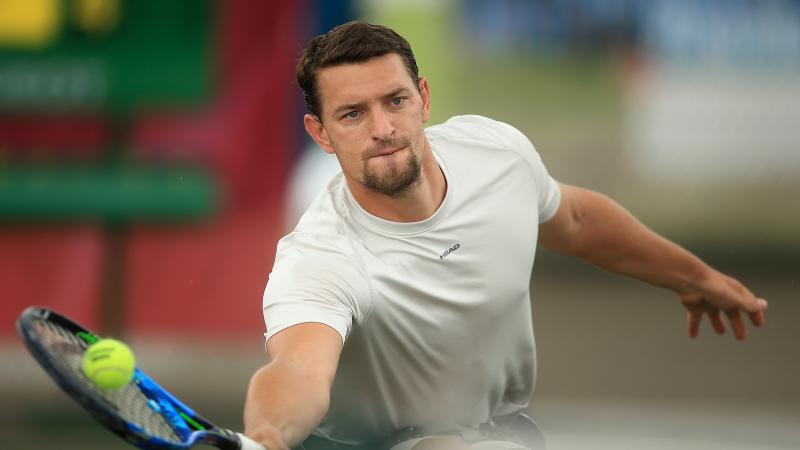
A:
x: 385, y: 146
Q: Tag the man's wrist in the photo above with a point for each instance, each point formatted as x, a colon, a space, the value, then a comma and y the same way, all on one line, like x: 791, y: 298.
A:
x: 268, y: 436
x: 693, y: 277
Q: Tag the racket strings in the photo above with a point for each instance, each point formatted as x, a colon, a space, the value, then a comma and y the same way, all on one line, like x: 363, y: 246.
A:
x: 129, y: 402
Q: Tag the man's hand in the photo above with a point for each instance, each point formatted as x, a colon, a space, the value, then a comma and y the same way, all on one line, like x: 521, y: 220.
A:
x: 718, y: 293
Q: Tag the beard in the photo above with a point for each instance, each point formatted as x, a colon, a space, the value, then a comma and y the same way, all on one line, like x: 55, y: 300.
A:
x: 396, y: 179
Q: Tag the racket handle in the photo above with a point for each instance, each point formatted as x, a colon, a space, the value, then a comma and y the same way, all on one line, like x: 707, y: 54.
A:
x: 249, y: 444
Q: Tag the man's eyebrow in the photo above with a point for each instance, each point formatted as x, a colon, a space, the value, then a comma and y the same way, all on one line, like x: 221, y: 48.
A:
x: 395, y: 93
x: 350, y: 106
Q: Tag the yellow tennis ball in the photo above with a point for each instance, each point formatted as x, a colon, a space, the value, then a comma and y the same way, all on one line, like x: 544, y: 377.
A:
x: 109, y: 364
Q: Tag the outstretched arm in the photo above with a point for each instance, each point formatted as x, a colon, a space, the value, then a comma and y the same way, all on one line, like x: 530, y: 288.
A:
x: 595, y: 228
x: 290, y: 395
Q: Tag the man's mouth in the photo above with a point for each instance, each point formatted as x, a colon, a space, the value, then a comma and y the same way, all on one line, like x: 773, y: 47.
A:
x: 388, y: 151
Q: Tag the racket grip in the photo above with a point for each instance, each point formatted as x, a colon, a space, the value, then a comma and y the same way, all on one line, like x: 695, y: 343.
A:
x: 249, y: 444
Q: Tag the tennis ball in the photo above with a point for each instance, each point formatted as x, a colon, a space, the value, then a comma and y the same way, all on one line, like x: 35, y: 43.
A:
x: 109, y: 364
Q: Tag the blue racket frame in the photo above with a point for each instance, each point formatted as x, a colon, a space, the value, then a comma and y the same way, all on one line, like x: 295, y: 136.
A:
x: 190, y: 427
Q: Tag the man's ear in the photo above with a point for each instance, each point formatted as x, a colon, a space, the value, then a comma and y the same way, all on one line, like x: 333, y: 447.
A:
x: 317, y: 132
x: 424, y: 92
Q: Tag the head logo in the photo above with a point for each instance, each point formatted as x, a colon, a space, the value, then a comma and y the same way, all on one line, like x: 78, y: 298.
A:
x: 449, y: 250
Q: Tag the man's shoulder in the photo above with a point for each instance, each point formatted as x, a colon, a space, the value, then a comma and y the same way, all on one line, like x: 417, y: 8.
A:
x: 323, y: 234
x: 311, y: 259
x: 318, y: 243
x: 477, y: 129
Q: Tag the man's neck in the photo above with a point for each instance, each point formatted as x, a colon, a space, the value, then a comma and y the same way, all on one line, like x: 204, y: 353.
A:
x: 418, y: 203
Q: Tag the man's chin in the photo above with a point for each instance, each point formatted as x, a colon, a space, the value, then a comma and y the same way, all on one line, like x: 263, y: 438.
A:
x: 393, y: 174
x: 392, y: 183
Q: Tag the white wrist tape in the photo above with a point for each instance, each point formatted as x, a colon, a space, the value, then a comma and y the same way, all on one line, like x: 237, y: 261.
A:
x: 249, y: 444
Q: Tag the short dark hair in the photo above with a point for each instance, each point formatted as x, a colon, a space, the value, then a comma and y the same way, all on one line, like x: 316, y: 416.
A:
x: 352, y: 42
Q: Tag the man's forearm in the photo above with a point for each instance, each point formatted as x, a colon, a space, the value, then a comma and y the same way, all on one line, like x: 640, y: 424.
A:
x: 595, y: 228
x: 610, y: 237
x: 283, y: 406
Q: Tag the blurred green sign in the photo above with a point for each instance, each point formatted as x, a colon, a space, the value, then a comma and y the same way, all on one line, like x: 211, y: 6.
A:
x: 103, y: 54
x: 106, y: 193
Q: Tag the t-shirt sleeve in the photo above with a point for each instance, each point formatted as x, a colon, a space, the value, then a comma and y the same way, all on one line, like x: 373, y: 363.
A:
x: 314, y: 287
x: 548, y: 192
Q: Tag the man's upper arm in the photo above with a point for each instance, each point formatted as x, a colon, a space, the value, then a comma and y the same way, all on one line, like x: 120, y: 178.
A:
x: 311, y: 350
x: 558, y: 233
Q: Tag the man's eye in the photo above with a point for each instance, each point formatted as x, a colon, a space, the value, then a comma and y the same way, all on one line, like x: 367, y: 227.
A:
x: 398, y: 100
x: 351, y: 115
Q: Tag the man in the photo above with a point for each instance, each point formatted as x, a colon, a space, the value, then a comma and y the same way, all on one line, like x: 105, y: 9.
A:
x: 401, y: 301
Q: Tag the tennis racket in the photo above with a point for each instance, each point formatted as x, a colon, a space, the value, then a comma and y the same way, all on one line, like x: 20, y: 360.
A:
x: 142, y: 412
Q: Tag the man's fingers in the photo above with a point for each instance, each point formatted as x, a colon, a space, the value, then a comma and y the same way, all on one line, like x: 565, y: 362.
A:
x: 694, y: 323
x: 755, y: 304
x: 757, y: 318
x: 737, y: 324
x: 716, y: 322
x: 757, y: 312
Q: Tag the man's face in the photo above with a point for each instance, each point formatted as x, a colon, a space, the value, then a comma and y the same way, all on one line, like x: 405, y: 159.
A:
x: 372, y: 119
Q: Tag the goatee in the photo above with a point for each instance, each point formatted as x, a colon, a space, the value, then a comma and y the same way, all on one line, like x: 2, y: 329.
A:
x: 396, y: 179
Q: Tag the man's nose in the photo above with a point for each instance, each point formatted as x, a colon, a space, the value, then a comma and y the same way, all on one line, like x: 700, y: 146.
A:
x: 382, y: 126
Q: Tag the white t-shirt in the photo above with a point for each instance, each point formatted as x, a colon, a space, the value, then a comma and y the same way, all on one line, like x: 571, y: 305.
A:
x: 435, y: 315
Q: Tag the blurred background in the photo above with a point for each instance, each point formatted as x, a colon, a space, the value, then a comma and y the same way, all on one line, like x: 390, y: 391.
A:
x: 152, y: 154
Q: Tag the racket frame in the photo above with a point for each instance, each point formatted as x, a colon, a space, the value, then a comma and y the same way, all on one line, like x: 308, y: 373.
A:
x: 180, y: 417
